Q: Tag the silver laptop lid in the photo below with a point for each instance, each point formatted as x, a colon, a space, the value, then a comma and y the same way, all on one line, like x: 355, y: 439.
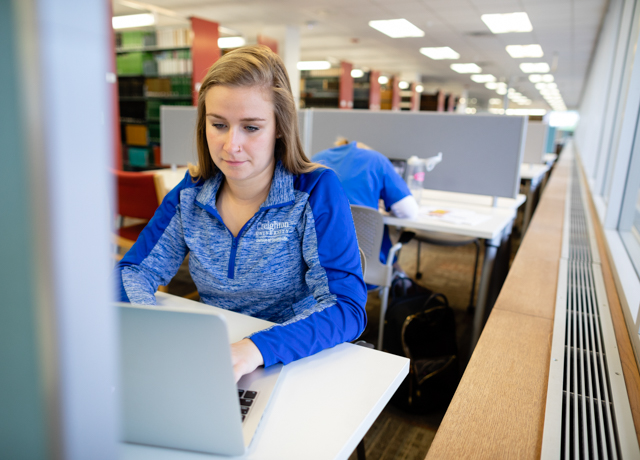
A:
x: 177, y: 386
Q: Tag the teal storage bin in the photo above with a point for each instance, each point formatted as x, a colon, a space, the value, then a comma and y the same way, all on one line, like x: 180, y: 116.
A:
x: 138, y: 156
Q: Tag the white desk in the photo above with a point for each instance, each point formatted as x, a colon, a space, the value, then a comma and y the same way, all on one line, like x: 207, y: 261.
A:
x: 532, y: 176
x: 453, y: 198
x: 494, y: 231
x: 322, y: 407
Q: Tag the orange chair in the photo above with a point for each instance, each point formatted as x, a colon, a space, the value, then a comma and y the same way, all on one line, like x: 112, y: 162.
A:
x: 138, y: 197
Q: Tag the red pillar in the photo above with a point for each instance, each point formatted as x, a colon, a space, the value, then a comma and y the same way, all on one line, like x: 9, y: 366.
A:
x: 268, y: 41
x: 415, y: 98
x: 204, y: 51
x: 346, y: 86
x: 441, y: 97
x: 395, y: 93
x: 374, y: 90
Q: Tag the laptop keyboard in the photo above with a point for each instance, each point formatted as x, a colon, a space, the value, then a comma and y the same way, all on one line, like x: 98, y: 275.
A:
x: 246, y: 401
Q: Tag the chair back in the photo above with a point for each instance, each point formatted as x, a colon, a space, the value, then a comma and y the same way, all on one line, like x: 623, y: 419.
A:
x: 137, y: 195
x: 369, y: 230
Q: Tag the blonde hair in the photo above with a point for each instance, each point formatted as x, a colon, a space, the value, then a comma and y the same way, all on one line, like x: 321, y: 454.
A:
x: 257, y: 66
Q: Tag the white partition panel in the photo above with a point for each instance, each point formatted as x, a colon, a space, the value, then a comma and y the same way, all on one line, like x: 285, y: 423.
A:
x: 536, y: 143
x: 481, y: 153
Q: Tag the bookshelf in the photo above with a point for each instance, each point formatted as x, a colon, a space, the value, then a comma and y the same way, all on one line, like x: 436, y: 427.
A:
x: 329, y: 89
x: 320, y: 88
x: 156, y: 67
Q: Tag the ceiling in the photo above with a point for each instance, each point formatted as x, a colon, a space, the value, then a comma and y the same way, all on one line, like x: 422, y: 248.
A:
x: 338, y: 30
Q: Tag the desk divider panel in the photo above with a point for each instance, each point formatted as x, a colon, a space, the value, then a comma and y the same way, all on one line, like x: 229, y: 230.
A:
x: 481, y: 153
x: 178, y: 134
x: 536, y: 144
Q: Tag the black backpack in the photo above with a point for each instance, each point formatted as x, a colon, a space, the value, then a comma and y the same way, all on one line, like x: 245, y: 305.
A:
x: 420, y: 325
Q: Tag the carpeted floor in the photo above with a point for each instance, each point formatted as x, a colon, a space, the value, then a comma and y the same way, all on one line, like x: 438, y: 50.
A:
x: 396, y: 434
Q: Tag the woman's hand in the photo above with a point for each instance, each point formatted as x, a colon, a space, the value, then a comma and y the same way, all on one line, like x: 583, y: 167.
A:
x: 245, y: 357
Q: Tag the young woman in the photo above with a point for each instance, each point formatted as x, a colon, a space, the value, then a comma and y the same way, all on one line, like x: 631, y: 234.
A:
x: 269, y: 233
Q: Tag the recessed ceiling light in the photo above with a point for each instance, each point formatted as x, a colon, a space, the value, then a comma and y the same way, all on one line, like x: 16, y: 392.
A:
x: 403, y: 85
x: 466, y: 68
x: 534, y: 67
x: 505, y: 23
x: 132, y: 20
x: 495, y: 100
x: 538, y: 78
x: 501, y: 91
x: 483, y: 78
x: 383, y: 80
x: 443, y: 52
x: 491, y: 85
x: 231, y: 42
x: 419, y: 88
x: 357, y: 73
x: 397, y: 28
x: 525, y: 51
x: 314, y: 65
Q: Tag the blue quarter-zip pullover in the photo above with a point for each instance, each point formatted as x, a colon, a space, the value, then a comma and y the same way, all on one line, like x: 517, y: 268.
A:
x: 295, y: 262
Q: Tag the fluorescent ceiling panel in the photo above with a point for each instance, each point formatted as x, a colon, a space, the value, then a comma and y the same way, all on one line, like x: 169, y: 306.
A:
x: 483, y: 78
x: 466, y: 68
x: 403, y: 85
x: 383, y: 80
x: 132, y: 20
x: 397, y: 28
x: 357, y: 73
x: 314, y: 65
x: 443, y: 52
x: 506, y: 23
x: 491, y: 85
x: 231, y: 42
x: 535, y: 78
x: 534, y: 67
x: 525, y: 51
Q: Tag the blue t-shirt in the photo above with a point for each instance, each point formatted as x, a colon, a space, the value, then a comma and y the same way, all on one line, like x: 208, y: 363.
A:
x: 366, y: 176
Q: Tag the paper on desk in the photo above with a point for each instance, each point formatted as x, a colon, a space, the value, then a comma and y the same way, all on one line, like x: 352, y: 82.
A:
x: 453, y: 216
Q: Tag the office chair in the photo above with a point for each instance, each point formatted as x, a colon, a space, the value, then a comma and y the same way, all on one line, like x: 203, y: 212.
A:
x: 369, y: 230
x: 445, y: 239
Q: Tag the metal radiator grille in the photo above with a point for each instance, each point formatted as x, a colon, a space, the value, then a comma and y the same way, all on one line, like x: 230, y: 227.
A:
x: 586, y: 409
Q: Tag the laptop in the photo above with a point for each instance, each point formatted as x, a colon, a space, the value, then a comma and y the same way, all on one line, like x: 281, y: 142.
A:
x: 177, y: 388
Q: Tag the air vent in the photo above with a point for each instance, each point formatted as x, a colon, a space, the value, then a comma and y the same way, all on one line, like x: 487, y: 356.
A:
x: 587, y: 413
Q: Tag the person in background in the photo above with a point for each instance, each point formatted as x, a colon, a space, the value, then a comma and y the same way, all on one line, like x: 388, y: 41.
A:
x: 368, y: 177
x: 269, y: 233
